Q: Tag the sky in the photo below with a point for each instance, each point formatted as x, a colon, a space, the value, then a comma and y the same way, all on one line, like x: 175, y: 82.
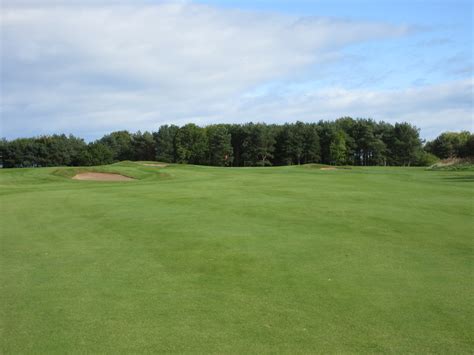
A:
x: 89, y: 67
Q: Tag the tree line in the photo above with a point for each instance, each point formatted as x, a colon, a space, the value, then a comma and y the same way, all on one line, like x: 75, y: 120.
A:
x: 346, y: 141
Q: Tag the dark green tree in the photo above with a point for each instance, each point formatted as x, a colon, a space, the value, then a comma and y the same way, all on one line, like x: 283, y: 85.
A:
x: 143, y: 146
x: 297, y: 144
x: 191, y: 145
x: 406, y: 144
x: 120, y: 143
x: 55, y: 150
x: 337, y: 149
x: 468, y: 150
x: 326, y: 132
x: 165, y: 143
x: 258, y: 145
x: 238, y: 135
x: 449, y: 145
x: 220, y: 145
x: 96, y: 154
x: 282, y: 152
x: 311, y: 145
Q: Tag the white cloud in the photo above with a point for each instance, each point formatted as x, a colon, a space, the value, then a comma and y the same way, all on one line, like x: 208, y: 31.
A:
x: 433, y: 108
x: 89, y: 69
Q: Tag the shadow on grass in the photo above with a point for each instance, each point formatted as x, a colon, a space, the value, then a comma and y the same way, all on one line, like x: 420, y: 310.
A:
x: 469, y: 178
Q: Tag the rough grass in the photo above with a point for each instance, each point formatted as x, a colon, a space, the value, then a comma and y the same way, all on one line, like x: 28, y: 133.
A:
x: 250, y: 260
x: 454, y: 164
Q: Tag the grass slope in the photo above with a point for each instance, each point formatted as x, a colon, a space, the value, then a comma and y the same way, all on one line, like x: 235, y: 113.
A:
x: 213, y: 260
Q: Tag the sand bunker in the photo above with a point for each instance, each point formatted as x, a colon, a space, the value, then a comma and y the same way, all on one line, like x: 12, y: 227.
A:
x: 329, y: 168
x: 159, y: 165
x: 101, y: 177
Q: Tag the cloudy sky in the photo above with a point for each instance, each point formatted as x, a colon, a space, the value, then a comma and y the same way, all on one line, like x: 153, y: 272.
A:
x: 89, y: 67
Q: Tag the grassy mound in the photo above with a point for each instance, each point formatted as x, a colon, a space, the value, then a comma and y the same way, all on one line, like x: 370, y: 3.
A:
x: 453, y: 164
x: 135, y: 170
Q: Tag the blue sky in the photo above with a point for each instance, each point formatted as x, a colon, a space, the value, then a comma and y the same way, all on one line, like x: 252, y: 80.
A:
x: 89, y: 67
x: 442, y: 34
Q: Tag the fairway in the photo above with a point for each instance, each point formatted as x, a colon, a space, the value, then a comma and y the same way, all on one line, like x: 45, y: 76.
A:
x: 198, y: 259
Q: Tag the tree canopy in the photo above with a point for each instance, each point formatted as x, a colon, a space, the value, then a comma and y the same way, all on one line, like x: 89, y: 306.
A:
x: 346, y: 141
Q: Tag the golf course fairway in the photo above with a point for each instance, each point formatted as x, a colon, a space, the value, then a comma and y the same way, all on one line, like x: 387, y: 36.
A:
x: 195, y: 259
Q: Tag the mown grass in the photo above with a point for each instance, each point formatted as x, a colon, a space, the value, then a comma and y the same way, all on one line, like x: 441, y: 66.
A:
x: 246, y: 260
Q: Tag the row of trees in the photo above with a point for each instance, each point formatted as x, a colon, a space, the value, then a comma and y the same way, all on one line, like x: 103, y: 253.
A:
x: 452, y: 144
x: 345, y: 141
x: 62, y: 150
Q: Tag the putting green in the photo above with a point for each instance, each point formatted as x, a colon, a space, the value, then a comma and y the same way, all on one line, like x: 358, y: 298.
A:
x: 236, y: 260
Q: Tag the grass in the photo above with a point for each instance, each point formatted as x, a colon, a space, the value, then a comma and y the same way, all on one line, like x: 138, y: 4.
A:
x: 453, y: 164
x: 245, y: 260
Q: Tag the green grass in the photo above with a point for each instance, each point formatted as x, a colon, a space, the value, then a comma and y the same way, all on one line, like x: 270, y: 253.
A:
x: 244, y: 260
